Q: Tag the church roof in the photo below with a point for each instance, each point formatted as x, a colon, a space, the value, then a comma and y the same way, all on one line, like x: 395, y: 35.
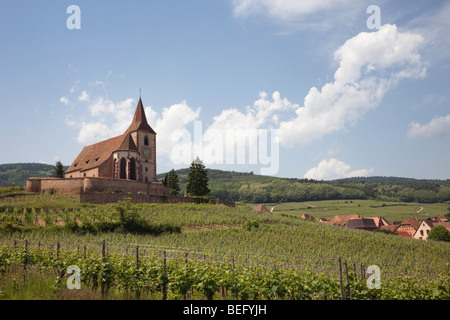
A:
x: 95, y: 154
x: 139, y: 120
x: 127, y: 143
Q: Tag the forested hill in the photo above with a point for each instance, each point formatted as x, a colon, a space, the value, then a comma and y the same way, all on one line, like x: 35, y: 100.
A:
x: 246, y: 186
x: 18, y: 173
x: 241, y: 186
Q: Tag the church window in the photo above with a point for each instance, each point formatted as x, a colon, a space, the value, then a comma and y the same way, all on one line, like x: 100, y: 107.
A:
x: 146, y: 179
x: 132, y: 168
x: 146, y: 140
x: 123, y: 168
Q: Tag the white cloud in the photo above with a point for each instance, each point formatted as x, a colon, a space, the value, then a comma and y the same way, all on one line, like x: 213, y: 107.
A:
x: 74, y: 87
x: 286, y: 9
x: 93, y: 132
x: 334, y: 169
x: 438, y: 127
x: 121, y: 114
x: 64, y: 100
x: 369, y: 65
x: 173, y: 119
x: 84, y: 96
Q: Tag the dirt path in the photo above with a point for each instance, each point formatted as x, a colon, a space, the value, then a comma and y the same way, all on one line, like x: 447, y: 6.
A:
x: 309, y: 205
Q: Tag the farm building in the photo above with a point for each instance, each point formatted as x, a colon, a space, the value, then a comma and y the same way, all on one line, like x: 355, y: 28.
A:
x: 367, y: 224
x: 308, y: 217
x: 408, y: 227
x: 379, y: 221
x: 261, y: 208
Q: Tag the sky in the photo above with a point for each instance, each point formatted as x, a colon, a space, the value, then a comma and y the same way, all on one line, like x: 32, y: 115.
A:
x: 290, y: 88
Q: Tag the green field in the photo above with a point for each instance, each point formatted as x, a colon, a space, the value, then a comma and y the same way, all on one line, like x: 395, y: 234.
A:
x: 218, y: 237
x: 392, y: 211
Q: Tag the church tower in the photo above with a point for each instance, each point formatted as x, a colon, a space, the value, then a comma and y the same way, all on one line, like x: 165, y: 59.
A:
x: 144, y: 137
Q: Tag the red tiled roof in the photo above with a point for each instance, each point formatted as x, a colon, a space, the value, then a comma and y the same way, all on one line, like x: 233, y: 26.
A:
x: 308, y: 217
x: 94, y: 155
x: 391, y: 227
x: 346, y: 217
x: 412, y: 222
x: 261, y: 208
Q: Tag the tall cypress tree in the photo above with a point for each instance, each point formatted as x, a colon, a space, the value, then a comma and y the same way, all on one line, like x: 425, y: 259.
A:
x: 173, y: 182
x: 197, y: 184
x: 59, y: 169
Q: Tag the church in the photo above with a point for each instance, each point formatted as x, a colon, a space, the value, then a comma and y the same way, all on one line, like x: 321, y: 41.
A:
x: 130, y: 156
x: 122, y: 164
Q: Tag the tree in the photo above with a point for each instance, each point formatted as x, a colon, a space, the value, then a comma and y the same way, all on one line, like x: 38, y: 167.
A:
x: 164, y: 182
x: 173, y: 182
x: 447, y: 215
x: 59, y: 170
x: 197, y: 184
x: 439, y: 233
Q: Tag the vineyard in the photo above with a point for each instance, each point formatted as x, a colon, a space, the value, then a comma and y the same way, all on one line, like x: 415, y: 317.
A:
x: 166, y: 274
x: 211, y: 252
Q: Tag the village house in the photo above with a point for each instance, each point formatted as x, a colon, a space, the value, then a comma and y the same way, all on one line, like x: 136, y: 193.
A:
x: 379, y: 221
x: 367, y: 224
x: 261, y: 208
x: 308, y: 217
x: 424, y: 229
x: 408, y: 227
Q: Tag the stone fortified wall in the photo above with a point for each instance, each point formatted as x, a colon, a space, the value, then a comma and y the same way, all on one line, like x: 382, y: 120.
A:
x: 103, y: 190
x: 75, y: 186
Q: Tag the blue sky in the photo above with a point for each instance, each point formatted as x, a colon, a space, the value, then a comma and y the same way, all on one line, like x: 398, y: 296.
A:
x: 341, y: 99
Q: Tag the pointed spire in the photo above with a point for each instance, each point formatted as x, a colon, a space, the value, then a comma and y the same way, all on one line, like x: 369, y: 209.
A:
x: 140, y: 120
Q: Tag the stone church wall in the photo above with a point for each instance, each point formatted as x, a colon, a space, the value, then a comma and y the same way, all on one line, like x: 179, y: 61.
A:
x: 55, y: 185
x: 91, y: 184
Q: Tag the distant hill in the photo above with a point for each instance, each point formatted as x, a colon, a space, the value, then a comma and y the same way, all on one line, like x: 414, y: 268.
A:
x: 18, y: 173
x: 250, y: 187
x: 246, y: 186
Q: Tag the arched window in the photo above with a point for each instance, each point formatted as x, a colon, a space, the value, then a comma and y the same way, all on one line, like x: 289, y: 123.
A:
x: 146, y: 140
x: 132, y: 167
x: 123, y: 169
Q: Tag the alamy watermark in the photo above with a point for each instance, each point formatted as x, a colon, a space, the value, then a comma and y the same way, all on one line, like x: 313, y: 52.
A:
x: 374, y: 280
x: 229, y: 146
x: 374, y: 21
x: 74, y: 280
x: 74, y: 20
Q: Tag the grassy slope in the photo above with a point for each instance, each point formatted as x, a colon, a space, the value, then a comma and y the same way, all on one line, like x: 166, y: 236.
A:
x: 279, y: 238
x: 392, y: 211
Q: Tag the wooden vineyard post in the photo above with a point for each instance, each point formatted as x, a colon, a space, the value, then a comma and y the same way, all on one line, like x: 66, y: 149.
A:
x: 103, y: 251
x: 137, y: 257
x: 362, y: 272
x: 186, y: 257
x: 57, y: 249
x: 103, y: 260
x: 84, y: 252
x: 340, y: 278
x: 349, y: 292
x: 163, y: 286
x: 354, y: 270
